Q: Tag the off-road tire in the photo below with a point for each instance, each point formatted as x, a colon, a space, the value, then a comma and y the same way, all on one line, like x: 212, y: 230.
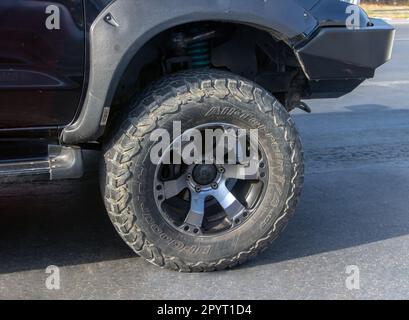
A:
x: 126, y: 170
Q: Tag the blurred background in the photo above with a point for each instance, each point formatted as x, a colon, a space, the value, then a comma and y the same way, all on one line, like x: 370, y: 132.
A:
x: 393, y: 9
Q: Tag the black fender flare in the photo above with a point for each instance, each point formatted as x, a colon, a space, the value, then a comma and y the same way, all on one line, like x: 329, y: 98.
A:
x: 124, y: 26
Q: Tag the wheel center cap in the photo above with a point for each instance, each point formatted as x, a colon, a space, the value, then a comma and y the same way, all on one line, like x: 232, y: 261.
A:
x: 204, y: 174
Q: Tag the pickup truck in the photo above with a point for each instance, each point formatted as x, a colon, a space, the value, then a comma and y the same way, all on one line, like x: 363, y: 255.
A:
x: 98, y: 84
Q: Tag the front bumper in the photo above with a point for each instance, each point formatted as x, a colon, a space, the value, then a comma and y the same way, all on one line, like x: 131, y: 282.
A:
x: 339, y: 53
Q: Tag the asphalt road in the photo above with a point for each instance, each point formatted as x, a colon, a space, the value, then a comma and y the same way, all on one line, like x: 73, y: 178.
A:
x: 354, y: 211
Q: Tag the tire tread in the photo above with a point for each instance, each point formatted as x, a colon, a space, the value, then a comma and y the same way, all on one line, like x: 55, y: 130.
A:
x: 141, y: 118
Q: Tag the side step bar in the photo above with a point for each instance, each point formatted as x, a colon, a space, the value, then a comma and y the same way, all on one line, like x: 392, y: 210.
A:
x: 65, y: 162
x: 62, y: 163
x: 25, y: 168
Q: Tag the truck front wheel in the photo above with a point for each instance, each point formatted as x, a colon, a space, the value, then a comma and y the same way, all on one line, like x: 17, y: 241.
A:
x: 202, y: 216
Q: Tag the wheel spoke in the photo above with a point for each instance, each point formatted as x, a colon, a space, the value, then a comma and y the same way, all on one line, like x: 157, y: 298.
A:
x: 241, y: 172
x: 228, y: 202
x: 196, y: 212
x: 173, y: 187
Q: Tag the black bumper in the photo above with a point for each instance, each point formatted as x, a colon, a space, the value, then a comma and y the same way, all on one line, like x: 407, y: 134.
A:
x: 338, y: 53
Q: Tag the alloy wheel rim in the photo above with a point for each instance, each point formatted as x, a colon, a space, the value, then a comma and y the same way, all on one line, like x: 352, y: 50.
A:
x: 200, y: 207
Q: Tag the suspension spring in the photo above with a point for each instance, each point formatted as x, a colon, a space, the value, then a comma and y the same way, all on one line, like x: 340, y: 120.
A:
x: 200, y: 53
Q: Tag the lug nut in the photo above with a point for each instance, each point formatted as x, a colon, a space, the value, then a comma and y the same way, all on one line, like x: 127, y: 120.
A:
x: 198, y: 189
x: 215, y: 186
x: 222, y: 170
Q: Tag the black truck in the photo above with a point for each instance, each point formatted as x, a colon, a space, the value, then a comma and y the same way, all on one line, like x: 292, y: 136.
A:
x: 90, y: 84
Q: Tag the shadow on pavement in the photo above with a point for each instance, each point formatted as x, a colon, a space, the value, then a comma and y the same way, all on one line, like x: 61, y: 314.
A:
x: 62, y: 224
x: 345, y: 209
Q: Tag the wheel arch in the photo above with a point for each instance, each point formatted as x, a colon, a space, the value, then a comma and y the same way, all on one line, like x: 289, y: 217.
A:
x: 124, y: 27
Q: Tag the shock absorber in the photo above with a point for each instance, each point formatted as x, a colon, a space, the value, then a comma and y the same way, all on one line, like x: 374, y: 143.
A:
x: 189, y: 52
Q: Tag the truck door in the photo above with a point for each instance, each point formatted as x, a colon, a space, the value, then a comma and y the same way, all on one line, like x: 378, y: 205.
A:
x: 42, y: 54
